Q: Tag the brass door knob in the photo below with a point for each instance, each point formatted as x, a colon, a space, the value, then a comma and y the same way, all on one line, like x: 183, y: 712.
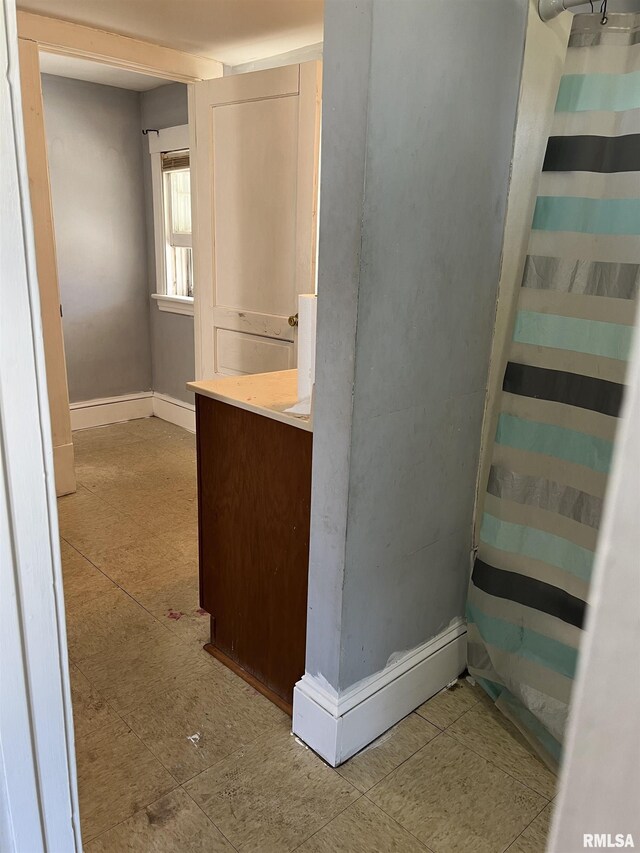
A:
x: 293, y: 320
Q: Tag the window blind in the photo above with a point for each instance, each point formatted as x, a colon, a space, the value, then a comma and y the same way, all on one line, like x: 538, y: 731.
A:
x: 173, y: 160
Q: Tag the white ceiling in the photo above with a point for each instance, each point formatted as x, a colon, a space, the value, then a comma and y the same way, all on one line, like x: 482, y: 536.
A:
x: 231, y: 31
x: 96, y: 72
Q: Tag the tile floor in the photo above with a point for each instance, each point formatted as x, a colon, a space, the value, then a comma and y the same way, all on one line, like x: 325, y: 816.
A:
x: 175, y: 753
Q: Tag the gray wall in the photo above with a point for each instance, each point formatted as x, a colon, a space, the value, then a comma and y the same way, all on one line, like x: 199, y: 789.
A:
x: 172, y: 343
x: 419, y: 113
x: 93, y: 136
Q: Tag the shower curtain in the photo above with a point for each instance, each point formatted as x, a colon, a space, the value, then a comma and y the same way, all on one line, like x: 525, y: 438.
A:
x: 562, y: 389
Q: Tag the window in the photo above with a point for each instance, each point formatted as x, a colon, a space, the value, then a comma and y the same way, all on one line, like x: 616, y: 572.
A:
x: 171, y: 179
x: 176, y: 192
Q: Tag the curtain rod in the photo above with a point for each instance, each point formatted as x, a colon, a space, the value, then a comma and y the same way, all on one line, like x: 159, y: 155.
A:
x: 549, y: 9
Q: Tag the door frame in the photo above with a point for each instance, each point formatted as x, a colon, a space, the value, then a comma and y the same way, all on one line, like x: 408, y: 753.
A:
x: 52, y: 35
x: 38, y: 789
x: 38, y: 780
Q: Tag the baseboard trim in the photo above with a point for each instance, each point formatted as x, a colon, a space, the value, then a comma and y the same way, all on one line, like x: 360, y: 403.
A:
x: 111, y: 410
x: 130, y: 407
x: 175, y: 411
x: 63, y: 469
x: 336, y: 727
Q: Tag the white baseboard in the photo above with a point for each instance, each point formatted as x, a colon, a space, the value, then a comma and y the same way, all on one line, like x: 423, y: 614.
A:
x: 129, y: 407
x: 175, y: 411
x: 336, y: 727
x: 64, y: 471
x: 111, y: 410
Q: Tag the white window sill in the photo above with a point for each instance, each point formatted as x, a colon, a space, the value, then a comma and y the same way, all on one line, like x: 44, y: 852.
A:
x: 174, y: 304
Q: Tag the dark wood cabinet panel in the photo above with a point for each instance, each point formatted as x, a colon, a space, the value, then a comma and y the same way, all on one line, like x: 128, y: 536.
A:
x: 254, y: 493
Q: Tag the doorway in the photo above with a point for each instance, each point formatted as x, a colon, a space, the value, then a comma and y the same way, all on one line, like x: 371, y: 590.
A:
x: 103, y: 215
x: 129, y: 535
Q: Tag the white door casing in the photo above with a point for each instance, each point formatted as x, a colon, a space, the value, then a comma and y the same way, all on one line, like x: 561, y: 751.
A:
x: 254, y: 172
x: 38, y: 790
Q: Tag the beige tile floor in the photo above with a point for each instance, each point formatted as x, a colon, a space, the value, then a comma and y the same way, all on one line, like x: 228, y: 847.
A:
x: 175, y: 753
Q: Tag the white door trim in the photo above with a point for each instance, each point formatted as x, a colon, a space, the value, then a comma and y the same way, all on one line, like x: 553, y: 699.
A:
x: 65, y: 37
x: 46, y: 262
x: 337, y: 726
x: 38, y: 788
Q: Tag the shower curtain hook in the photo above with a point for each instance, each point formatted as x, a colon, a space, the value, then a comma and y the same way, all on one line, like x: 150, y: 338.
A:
x: 603, y: 9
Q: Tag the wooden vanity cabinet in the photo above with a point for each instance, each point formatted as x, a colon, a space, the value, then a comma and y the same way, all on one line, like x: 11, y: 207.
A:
x: 254, y: 495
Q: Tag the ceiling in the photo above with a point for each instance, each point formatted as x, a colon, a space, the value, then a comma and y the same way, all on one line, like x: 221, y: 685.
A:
x: 96, y: 72
x: 231, y: 31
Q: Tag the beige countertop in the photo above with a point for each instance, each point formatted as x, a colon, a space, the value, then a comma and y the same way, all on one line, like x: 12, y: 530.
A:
x: 267, y: 394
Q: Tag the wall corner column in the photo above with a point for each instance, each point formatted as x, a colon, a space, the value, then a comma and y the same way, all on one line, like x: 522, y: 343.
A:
x: 348, y: 28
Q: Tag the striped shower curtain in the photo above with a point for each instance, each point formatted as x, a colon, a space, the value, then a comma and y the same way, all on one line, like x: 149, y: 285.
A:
x: 562, y: 389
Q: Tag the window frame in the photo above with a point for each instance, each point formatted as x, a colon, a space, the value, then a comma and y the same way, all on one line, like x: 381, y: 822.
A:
x: 168, y: 139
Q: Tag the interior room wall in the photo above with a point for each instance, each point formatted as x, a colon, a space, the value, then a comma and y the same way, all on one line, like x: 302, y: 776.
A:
x: 93, y: 138
x: 417, y: 144
x: 172, y: 335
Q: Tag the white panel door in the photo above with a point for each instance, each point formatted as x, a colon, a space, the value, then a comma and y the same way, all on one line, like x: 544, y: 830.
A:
x: 254, y: 176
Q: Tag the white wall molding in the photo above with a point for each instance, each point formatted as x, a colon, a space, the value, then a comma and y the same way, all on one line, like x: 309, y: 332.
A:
x: 174, y: 304
x: 111, y: 410
x: 175, y: 411
x: 336, y: 727
x: 130, y: 407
